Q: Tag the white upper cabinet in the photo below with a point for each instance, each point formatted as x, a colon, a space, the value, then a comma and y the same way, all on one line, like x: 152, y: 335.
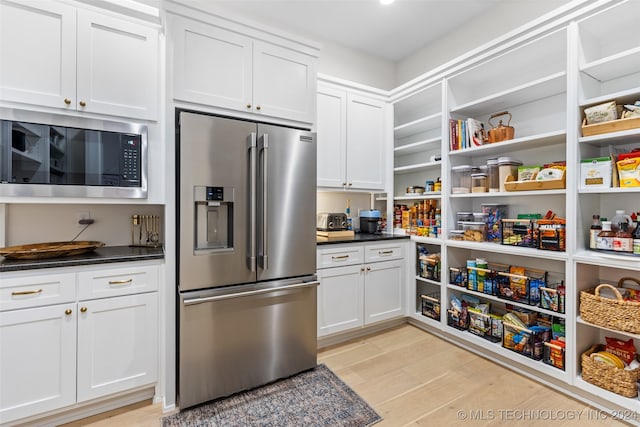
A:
x: 38, y: 70
x: 199, y: 73
x: 117, y: 67
x: 366, y: 142
x: 222, y: 68
x: 332, y: 137
x: 80, y: 60
x: 351, y: 140
x: 284, y: 82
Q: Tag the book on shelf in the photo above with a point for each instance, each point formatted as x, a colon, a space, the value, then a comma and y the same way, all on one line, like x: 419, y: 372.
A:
x: 475, y: 132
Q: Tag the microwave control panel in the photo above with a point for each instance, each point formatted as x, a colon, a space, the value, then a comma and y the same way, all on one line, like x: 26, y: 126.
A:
x: 130, y: 161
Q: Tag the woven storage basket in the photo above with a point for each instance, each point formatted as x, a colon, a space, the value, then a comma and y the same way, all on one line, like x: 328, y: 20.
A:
x: 608, y: 377
x: 615, y: 314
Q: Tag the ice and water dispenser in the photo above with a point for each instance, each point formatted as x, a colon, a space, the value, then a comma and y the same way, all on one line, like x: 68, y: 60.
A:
x: 214, y: 218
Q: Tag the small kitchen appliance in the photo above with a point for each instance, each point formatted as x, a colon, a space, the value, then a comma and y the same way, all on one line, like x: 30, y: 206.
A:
x: 331, y: 221
x: 370, y: 221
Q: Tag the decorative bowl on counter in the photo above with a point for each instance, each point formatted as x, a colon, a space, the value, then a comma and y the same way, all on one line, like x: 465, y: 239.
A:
x: 49, y: 250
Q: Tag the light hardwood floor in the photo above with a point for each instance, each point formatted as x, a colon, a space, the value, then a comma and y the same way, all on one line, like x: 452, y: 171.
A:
x: 412, y: 378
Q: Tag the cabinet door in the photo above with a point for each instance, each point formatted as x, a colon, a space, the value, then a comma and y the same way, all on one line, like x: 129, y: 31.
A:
x: 38, y: 51
x: 383, y: 291
x: 331, y: 127
x: 211, y: 66
x: 284, y: 83
x: 340, y: 299
x: 365, y: 143
x: 117, y: 344
x: 118, y: 67
x: 37, y: 360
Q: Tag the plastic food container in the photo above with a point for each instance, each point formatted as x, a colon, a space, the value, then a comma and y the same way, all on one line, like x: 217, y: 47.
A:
x: 480, y: 217
x: 479, y: 183
x: 507, y: 167
x: 456, y: 234
x: 461, y: 179
x: 475, y: 231
x: 493, y: 175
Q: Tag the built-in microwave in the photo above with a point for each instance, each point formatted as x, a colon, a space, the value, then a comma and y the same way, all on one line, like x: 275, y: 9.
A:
x: 72, y: 157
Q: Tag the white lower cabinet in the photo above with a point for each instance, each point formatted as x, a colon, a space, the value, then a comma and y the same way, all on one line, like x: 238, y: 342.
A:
x: 78, y: 349
x: 340, y: 299
x: 383, y: 294
x: 362, y: 293
x: 37, y: 360
x: 117, y: 346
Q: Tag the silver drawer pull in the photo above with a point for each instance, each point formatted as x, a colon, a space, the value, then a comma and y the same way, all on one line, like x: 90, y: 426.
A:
x: 339, y: 257
x: 19, y: 293
x: 120, y: 282
x: 385, y: 252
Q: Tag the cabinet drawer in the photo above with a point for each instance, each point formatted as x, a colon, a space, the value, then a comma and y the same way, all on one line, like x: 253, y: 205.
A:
x: 336, y: 257
x: 117, y: 281
x: 24, y: 292
x: 385, y: 252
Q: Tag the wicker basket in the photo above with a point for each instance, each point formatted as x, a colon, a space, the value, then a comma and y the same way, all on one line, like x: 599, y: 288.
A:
x: 608, y: 377
x: 610, y: 313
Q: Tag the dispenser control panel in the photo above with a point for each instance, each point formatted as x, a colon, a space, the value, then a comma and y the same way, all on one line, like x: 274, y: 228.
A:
x: 215, y: 193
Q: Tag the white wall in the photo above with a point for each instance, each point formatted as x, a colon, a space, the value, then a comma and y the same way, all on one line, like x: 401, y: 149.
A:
x: 29, y: 223
x: 485, y: 27
x: 348, y: 64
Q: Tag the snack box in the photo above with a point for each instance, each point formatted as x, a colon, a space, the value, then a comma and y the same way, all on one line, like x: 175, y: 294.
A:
x: 595, y: 173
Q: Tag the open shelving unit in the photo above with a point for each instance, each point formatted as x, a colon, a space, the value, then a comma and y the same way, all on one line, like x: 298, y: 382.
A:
x: 545, y: 80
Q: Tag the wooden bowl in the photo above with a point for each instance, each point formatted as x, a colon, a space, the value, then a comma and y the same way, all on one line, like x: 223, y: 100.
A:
x: 49, y: 250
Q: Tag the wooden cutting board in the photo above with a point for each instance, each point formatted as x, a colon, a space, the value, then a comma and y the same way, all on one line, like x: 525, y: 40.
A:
x: 334, y: 236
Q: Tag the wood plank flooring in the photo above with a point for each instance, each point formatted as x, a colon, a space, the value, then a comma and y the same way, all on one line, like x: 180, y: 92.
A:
x: 412, y: 378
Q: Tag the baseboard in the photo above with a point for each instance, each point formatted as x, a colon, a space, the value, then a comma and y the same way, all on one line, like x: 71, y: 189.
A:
x: 341, y: 337
x: 85, y: 410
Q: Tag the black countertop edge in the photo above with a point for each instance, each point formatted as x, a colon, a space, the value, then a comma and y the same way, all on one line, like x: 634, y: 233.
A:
x: 366, y: 237
x: 103, y: 255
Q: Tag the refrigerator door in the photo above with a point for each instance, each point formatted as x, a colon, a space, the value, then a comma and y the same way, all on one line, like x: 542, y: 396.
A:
x: 286, y: 202
x: 214, y: 218
x: 244, y: 336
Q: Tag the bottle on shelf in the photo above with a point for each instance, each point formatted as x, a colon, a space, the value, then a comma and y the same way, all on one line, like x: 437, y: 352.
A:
x: 594, y: 230
x: 349, y: 218
x: 636, y: 240
x: 623, y: 241
x: 605, y: 237
x: 619, y: 218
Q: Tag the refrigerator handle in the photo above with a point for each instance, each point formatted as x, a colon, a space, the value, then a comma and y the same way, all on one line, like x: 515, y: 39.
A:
x: 264, y: 145
x: 253, y: 202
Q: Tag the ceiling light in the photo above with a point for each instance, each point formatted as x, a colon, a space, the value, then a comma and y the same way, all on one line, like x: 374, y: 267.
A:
x: 385, y: 2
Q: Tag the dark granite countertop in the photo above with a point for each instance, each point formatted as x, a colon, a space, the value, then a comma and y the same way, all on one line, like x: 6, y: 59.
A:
x: 103, y: 255
x: 366, y: 237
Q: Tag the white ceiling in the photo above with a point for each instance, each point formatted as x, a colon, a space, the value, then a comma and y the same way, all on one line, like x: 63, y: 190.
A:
x: 390, y: 32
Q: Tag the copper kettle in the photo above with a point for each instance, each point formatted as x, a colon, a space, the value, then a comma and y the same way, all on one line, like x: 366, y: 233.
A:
x: 501, y: 132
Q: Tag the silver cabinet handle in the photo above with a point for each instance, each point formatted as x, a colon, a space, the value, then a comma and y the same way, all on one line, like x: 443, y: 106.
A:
x: 249, y: 293
x: 253, y: 145
x: 19, y: 293
x: 265, y: 201
x: 339, y: 257
x: 385, y: 252
x: 120, y: 282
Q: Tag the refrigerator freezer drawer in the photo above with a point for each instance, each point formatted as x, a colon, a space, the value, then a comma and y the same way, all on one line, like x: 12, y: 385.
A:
x: 244, y: 337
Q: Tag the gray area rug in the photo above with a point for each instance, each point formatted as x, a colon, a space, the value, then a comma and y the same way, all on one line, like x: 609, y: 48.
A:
x: 313, y: 398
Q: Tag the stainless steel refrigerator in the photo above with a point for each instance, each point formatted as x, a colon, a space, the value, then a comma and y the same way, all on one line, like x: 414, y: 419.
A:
x: 246, y: 256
